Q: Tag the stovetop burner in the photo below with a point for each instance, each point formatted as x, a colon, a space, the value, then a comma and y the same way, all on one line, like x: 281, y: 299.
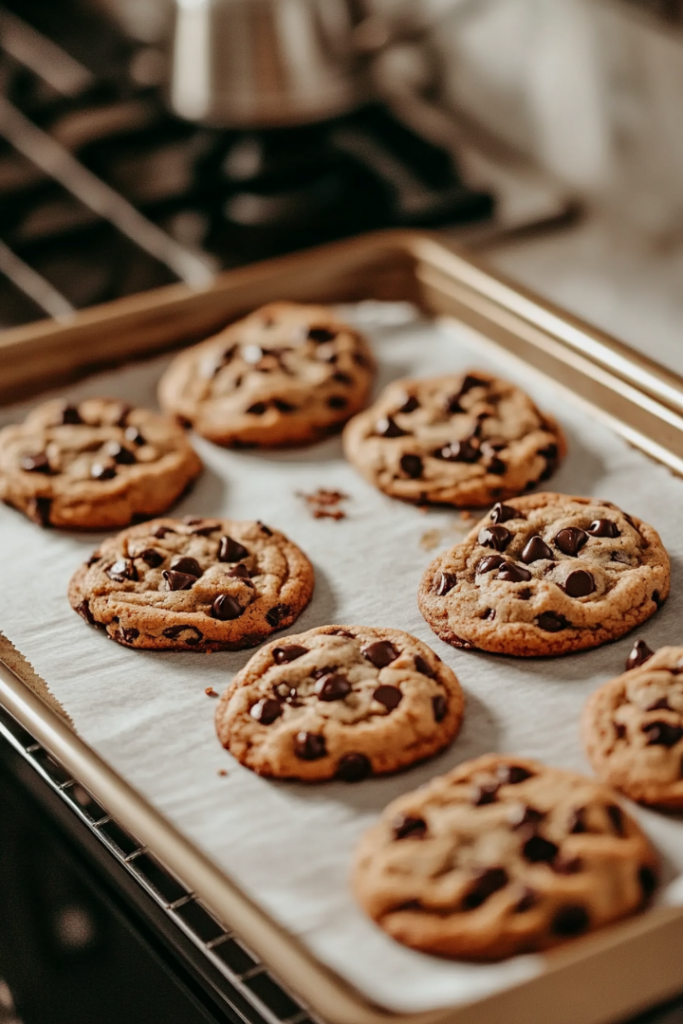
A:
x: 104, y: 193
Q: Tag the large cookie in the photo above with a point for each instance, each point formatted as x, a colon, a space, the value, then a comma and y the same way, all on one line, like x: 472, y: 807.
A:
x: 502, y: 856
x: 95, y: 465
x: 465, y: 439
x: 285, y: 375
x: 339, y: 702
x: 633, y: 728
x: 546, y: 574
x: 193, y: 585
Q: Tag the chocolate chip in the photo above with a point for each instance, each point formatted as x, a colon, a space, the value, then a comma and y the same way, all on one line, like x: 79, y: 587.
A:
x: 527, y: 900
x: 616, y: 816
x: 470, y: 381
x: 538, y: 850
x: 309, y: 747
x: 321, y: 334
x: 489, y: 880
x: 281, y: 655
x: 423, y: 667
x: 648, y: 880
x: 410, y: 404
x: 68, y: 414
x: 332, y: 686
x: 225, y: 607
x: 257, y: 408
x: 190, y: 566
x: 535, y: 549
x: 490, y: 613
x: 443, y: 582
x: 513, y: 573
x: 484, y: 793
x: 551, y: 622
x: 193, y: 520
x: 192, y: 634
x: 266, y: 710
x: 522, y: 815
x: 524, y: 594
x: 122, y: 569
x: 38, y: 463
x: 492, y: 464
x: 501, y: 513
x: 494, y: 537
x: 119, y: 453
x: 459, y: 451
x: 603, y: 528
x: 512, y: 774
x: 662, y: 734
x: 83, y: 610
x: 283, y: 406
x: 240, y: 572
x: 411, y: 465
x: 178, y: 580
x: 337, y: 402
x: 264, y: 529
x: 440, y: 707
x: 570, y: 540
x: 133, y: 435
x: 353, y: 767
x: 342, y: 378
x: 161, y: 531
x: 389, y: 696
x: 407, y: 827
x: 551, y: 454
x: 380, y: 653
x: 129, y: 635
x: 570, y: 920
x: 151, y: 557
x: 99, y: 471
x: 619, y: 730
x: 205, y: 530
x: 230, y: 550
x: 576, y: 822
x: 638, y: 655
x: 387, y: 427
x: 39, y: 510
x: 276, y: 614
x: 657, y: 598
x: 489, y: 563
x: 659, y: 705
x: 579, y: 583
x: 453, y: 404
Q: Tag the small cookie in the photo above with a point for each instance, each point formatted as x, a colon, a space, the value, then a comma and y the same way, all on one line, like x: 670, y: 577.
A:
x: 546, y: 574
x: 287, y: 374
x: 632, y: 728
x: 193, y: 585
x: 340, y: 702
x: 502, y: 856
x: 95, y: 465
x: 466, y: 439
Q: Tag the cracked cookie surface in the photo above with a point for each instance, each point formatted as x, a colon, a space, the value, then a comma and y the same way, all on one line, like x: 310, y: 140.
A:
x: 632, y: 728
x: 546, y: 574
x: 501, y: 856
x: 463, y: 440
x: 94, y: 465
x: 340, y: 702
x: 287, y: 374
x: 197, y: 584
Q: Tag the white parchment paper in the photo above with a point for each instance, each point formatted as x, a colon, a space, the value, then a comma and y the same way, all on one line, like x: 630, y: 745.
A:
x: 287, y: 845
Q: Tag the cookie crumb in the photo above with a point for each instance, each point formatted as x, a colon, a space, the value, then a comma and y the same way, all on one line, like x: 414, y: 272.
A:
x: 430, y: 539
x: 210, y: 692
x: 222, y: 771
x: 324, y: 504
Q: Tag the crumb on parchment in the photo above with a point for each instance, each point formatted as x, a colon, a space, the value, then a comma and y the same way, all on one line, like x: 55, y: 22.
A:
x: 210, y: 692
x: 324, y: 504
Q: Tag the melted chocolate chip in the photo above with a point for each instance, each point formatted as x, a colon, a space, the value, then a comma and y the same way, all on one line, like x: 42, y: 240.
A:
x: 276, y: 614
x: 387, y: 427
x: 579, y: 583
x: 570, y: 540
x: 659, y: 705
x: 513, y: 573
x: 389, y: 696
x: 332, y: 686
x: 178, y: 580
x: 495, y: 537
x: 484, y: 793
x: 570, y: 920
x: 603, y: 528
x: 501, y: 513
x: 39, y: 510
x: 129, y: 635
x: 190, y: 566
x: 538, y: 850
x: 337, y: 402
x: 287, y: 653
x: 240, y: 572
x: 490, y: 614
x: 453, y: 404
x: 489, y: 563
x: 616, y: 817
x: 662, y: 734
x: 648, y: 881
x: 492, y: 464
x: 309, y: 747
x: 353, y: 767
x: 283, y: 406
x: 527, y: 900
x: 257, y: 408
x: 439, y: 707
x: 100, y: 471
x: 577, y: 821
x: 38, y: 463
x: 443, y: 582
x: 551, y: 622
x: 512, y: 774
x: 133, y: 435
x: 321, y: 334
x: 226, y: 607
x: 230, y: 550
x: 190, y: 634
x: 407, y: 827
x: 535, y: 549
x: 638, y: 655
x: 522, y: 815
x: 411, y: 465
x: 523, y: 594
x: 342, y: 378
x: 83, y: 610
x: 205, y: 530
x: 470, y: 381
x: 489, y: 880
x: 151, y: 557
x: 68, y: 414
x: 264, y: 529
x: 119, y: 453
x: 459, y: 451
x: 423, y: 667
x: 410, y: 405
x: 122, y: 569
x: 161, y: 531
x: 380, y: 653
x: 266, y: 710
x: 619, y: 730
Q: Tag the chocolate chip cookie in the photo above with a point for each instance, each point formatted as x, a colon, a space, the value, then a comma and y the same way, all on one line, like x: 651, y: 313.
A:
x: 502, y: 856
x: 462, y: 440
x: 339, y: 702
x: 95, y: 465
x: 633, y: 728
x: 193, y: 585
x: 287, y: 374
x: 546, y: 574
